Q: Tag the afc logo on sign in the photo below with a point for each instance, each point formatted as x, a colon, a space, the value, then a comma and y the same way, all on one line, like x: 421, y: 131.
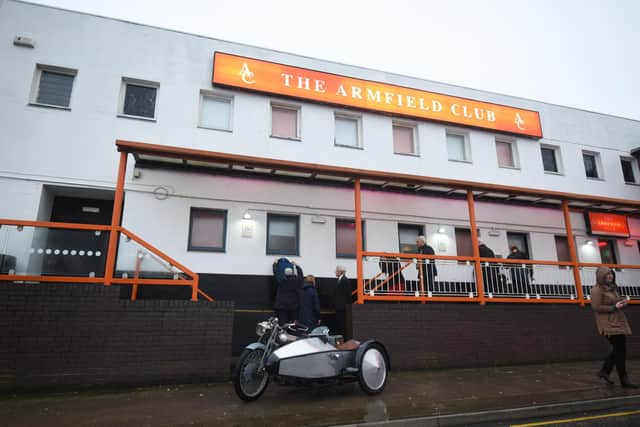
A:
x: 247, y: 75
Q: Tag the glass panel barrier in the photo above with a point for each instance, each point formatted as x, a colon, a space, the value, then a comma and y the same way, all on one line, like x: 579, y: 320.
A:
x: 134, y: 260
x: 627, y: 279
x: 42, y: 251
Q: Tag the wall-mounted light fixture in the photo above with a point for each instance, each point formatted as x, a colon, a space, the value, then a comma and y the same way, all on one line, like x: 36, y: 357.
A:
x: 441, y: 229
x: 247, y: 215
x: 589, y: 242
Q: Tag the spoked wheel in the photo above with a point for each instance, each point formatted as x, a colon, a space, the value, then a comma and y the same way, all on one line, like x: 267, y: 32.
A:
x: 248, y: 379
x: 373, y: 370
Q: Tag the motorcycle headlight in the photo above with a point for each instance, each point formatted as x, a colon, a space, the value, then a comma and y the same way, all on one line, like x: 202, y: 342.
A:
x: 262, y: 328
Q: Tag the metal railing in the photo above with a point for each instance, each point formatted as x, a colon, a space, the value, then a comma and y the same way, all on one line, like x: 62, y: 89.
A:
x: 37, y: 251
x: 413, y: 277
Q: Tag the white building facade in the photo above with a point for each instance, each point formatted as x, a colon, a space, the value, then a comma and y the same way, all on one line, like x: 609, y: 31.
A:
x: 75, y: 83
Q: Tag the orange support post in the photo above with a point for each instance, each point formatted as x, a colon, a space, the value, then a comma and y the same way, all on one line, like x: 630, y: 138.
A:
x: 136, y: 277
x: 572, y: 252
x: 360, y: 299
x: 476, y: 249
x: 115, y: 221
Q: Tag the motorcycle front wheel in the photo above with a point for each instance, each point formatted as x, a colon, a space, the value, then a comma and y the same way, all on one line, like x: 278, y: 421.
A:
x: 249, y: 380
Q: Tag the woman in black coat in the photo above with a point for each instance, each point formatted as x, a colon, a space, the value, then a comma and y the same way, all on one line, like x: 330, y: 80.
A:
x: 309, y: 313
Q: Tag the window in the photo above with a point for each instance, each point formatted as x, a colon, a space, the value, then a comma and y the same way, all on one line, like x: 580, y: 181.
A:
x: 282, y: 234
x: 347, y: 131
x: 506, y: 154
x: 457, y: 147
x: 627, y: 170
x: 521, y: 240
x: 591, y: 167
x: 138, y: 98
x: 562, y: 249
x: 404, y: 139
x: 207, y: 230
x: 407, y: 234
x: 607, y: 251
x: 285, y: 121
x: 550, y: 158
x: 346, y: 238
x: 52, y: 86
x: 215, y: 111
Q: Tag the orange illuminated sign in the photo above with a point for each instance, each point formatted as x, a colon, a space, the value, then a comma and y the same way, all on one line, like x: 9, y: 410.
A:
x: 607, y: 224
x: 269, y: 77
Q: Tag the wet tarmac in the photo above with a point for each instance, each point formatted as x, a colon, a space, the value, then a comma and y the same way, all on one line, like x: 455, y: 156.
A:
x: 408, y: 394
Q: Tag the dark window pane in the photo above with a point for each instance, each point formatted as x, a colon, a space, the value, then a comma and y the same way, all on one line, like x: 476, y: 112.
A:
x: 627, y: 171
x: 208, y: 230
x: 346, y: 238
x: 140, y: 101
x: 464, y: 245
x: 607, y: 252
x: 549, y: 160
x: 407, y: 234
x: 282, y: 235
x: 590, y: 167
x: 521, y: 240
x: 562, y: 249
x: 54, y: 89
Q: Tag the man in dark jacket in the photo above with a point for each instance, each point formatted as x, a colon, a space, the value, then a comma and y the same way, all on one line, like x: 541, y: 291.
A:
x: 288, y: 294
x: 309, y: 313
x: 490, y: 271
x: 342, y: 299
x: 426, y: 268
x: 520, y: 277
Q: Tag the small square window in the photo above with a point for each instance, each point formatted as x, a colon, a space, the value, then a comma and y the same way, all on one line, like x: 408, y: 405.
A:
x: 207, y: 230
x: 457, y: 147
x: 282, y: 234
x: 591, y: 164
x: 627, y: 171
x: 347, y: 131
x: 53, y: 86
x: 346, y: 238
x: 506, y: 154
x: 285, y: 121
x: 138, y: 98
x: 407, y: 235
x: 215, y: 111
x: 550, y: 158
x: 404, y: 139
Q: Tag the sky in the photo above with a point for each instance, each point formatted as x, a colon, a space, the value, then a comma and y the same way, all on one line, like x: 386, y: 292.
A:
x: 579, y: 53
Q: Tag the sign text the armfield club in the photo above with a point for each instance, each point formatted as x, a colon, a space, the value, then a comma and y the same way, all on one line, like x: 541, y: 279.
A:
x: 269, y: 77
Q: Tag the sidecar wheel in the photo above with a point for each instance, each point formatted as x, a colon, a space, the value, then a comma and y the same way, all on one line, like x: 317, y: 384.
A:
x: 248, y: 380
x: 374, y: 368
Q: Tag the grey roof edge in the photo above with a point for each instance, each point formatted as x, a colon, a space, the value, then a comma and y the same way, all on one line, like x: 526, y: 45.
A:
x: 479, y: 91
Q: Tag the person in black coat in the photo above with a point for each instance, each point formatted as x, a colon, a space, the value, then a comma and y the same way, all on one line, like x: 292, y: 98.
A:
x: 426, y: 268
x: 288, y: 294
x: 520, y: 277
x: 490, y: 272
x: 342, y: 299
x: 309, y: 312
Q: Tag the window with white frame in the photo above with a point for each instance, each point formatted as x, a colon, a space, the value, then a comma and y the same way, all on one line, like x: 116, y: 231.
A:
x: 404, y: 139
x: 507, y: 156
x: 628, y: 170
x: 138, y: 98
x: 216, y: 111
x: 347, y: 131
x: 551, y: 159
x: 285, y: 121
x: 458, y: 147
x: 52, y: 86
x: 207, y: 230
x: 592, y: 168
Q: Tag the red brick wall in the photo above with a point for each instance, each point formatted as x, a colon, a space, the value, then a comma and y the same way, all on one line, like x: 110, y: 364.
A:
x: 467, y: 335
x: 64, y: 334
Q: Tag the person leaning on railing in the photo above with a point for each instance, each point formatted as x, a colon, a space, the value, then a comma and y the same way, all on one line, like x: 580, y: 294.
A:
x: 611, y: 322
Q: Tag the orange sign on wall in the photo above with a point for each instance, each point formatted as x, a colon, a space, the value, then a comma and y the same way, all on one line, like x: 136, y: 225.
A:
x: 607, y: 224
x: 269, y: 77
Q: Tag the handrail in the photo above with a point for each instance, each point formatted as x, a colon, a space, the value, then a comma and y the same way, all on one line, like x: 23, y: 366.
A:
x: 50, y: 224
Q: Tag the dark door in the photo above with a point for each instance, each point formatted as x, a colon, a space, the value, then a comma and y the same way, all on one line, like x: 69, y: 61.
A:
x: 77, y: 252
x: 607, y: 251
